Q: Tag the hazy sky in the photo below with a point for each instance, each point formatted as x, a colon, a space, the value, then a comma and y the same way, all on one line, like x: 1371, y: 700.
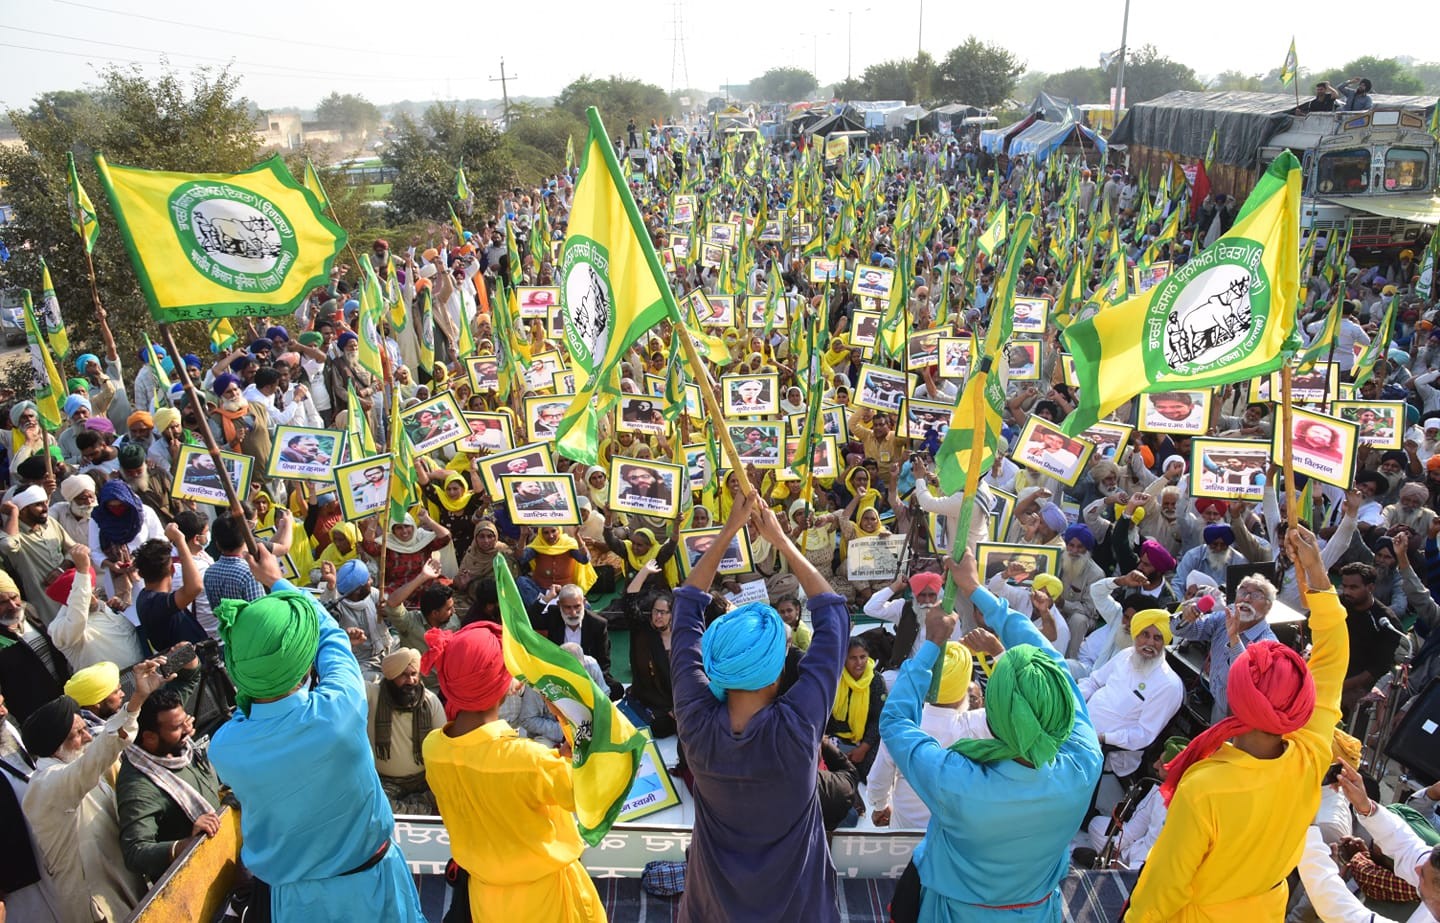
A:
x: 294, y: 53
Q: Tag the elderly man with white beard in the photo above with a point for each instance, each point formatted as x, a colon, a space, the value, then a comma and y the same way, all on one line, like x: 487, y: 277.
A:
x: 1212, y: 558
x: 1133, y: 696
x: 907, y: 615
x: 1113, y: 636
x: 1228, y: 630
x: 1411, y: 509
x: 1078, y: 572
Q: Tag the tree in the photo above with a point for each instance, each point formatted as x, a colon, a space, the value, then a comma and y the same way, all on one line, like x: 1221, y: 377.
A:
x: 1386, y: 75
x: 1235, y: 80
x: 618, y: 100
x: 1079, y: 84
x: 427, y: 151
x: 979, y: 73
x: 197, y: 125
x: 351, y: 110
x: 535, y: 139
x: 783, y: 85
x: 888, y: 80
x: 1149, y: 75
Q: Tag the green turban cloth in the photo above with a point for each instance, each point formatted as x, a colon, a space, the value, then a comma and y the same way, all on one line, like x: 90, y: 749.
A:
x: 1029, y: 706
x: 270, y: 644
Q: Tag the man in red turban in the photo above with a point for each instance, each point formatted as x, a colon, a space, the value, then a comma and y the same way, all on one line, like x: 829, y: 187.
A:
x: 508, y: 802
x: 1253, y: 778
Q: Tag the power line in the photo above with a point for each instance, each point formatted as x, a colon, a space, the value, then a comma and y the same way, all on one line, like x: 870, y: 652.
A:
x: 328, y: 46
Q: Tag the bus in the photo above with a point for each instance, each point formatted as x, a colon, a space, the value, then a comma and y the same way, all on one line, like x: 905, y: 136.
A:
x: 370, y: 173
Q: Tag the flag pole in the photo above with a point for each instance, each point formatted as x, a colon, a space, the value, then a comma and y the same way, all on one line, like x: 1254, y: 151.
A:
x: 209, y: 438
x: 707, y: 395
x: 1287, y: 454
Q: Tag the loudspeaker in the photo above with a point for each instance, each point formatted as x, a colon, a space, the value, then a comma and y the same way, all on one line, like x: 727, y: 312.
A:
x: 1416, y: 741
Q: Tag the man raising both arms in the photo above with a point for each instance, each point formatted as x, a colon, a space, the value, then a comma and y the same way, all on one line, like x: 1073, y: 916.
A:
x: 759, y: 850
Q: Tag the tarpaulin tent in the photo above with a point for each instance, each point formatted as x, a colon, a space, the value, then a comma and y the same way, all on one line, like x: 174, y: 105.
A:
x: 994, y: 141
x: 1041, y: 140
x: 840, y: 121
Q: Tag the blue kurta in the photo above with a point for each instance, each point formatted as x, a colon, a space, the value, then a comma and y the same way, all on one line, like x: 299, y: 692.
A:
x: 759, y: 851
x: 311, y: 803
x: 999, y: 834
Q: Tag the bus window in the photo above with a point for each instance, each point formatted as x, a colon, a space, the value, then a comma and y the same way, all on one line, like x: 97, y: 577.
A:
x: 1406, y: 169
x: 1344, y: 171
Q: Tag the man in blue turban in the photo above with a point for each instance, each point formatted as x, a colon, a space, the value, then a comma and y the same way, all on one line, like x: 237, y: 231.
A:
x: 1212, y: 558
x: 758, y: 850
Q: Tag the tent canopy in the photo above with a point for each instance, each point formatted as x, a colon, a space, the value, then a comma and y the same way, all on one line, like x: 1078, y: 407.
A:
x: 1041, y: 139
x: 840, y: 121
x: 994, y: 141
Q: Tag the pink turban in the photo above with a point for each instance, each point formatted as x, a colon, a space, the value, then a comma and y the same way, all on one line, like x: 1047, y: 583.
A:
x: 920, y: 583
x: 1160, y: 559
x: 470, y: 666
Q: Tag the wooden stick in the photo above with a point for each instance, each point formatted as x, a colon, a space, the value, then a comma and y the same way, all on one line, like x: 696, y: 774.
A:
x: 214, y: 448
x: 707, y: 396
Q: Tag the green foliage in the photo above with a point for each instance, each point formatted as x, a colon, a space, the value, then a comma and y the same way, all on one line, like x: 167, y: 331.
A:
x: 350, y: 110
x: 1079, y: 85
x: 783, y: 85
x: 170, y: 123
x: 535, y: 139
x: 1235, y: 80
x: 426, y: 153
x: 618, y: 99
x: 979, y: 73
x: 1148, y: 75
x: 1387, y: 76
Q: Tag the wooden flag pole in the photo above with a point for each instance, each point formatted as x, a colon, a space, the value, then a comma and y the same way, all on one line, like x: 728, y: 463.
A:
x: 717, y: 416
x: 1287, y: 455
x: 236, y: 509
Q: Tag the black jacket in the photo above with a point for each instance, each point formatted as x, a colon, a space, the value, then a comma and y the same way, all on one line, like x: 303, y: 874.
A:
x: 594, y: 639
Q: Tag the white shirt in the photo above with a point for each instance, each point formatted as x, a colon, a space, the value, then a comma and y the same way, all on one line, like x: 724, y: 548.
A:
x: 887, y: 788
x: 277, y: 417
x: 1018, y: 598
x: 1130, y: 701
x: 87, y: 637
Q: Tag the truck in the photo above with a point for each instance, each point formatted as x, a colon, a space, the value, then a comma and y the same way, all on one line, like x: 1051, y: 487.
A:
x: 1373, y: 171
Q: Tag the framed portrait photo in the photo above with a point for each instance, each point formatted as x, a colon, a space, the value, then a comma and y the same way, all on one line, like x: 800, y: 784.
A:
x: 711, y: 255
x: 484, y: 372
x: 303, y: 454
x: 956, y: 354
x: 1067, y: 371
x: 533, y: 458
x: 880, y: 388
x: 873, y: 281
x: 199, y: 479
x: 722, y: 311
x: 697, y: 465
x: 823, y: 458
x: 1031, y: 314
x: 1042, y: 447
x: 1322, y: 446
x: 540, y: 499
x: 695, y: 542
x: 543, y: 413
x: 489, y: 432
x: 751, y: 395
x: 682, y: 210
x: 722, y: 233
x: 919, y: 418
x: 922, y: 350
x: 563, y: 382
x: 1022, y: 360
x: 1108, y: 437
x: 434, y: 424
x: 638, y: 413
x: 1183, y: 412
x: 823, y: 269
x: 540, y: 371
x: 757, y: 307
x: 773, y: 231
x: 865, y: 328
x: 363, y: 486
x: 1149, y: 277
x: 1019, y: 563
x: 645, y: 486
x: 1002, y: 512
x: 680, y: 246
x: 537, y: 301
x: 1380, y: 424
x: 1317, y: 386
x: 757, y: 442
x: 1230, y: 469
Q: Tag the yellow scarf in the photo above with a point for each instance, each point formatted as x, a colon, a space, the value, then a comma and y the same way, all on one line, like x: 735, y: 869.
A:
x: 860, y: 530
x: 852, y: 701
x: 453, y: 506
x: 585, y: 575
x: 333, y: 554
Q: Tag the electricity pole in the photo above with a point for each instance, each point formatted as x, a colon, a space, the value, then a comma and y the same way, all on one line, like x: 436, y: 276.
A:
x: 504, y: 82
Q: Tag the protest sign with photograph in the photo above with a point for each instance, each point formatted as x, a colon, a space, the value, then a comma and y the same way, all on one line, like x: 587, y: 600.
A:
x: 199, y: 478
x: 873, y: 282
x: 1149, y: 277
x: 697, y: 465
x: 1044, y: 448
x: 543, y: 413
x: 540, y: 499
x: 363, y: 486
x: 434, y: 424
x: 922, y: 350
x: 1019, y: 563
x: 1322, y: 446
x: 866, y: 328
x: 751, y: 395
x: 1108, y: 437
x: 527, y: 459
x: 303, y: 454
x: 1380, y: 424
x: 919, y: 418
x: 758, y: 443
x: 876, y: 558
x: 1031, y: 314
x: 823, y: 269
x: 695, y: 542
x: 484, y: 373
x: 540, y: 370
x: 1230, y: 469
x: 652, y: 790
x: 1002, y: 511
x: 536, y: 302
x: 489, y: 432
x: 880, y: 388
x: 1183, y: 412
x: 1022, y: 360
x: 640, y: 414
x: 648, y: 487
x: 822, y: 458
x: 955, y: 356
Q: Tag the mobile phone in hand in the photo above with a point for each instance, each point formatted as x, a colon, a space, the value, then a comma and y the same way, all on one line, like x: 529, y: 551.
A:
x: 1332, y: 775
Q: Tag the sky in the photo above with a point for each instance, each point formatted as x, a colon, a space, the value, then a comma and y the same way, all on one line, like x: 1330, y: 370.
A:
x: 296, y: 53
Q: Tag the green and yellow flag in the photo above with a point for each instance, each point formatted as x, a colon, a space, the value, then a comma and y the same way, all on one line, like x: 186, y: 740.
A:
x: 161, y: 397
x: 357, y: 426
x: 208, y: 245
x: 312, y: 182
x: 372, y: 310
x: 605, y: 745
x: 462, y: 188
x: 48, y: 386
x: 82, y: 213
x: 1325, y: 339
x: 404, y: 482
x: 455, y: 223
x: 222, y: 335
x: 1291, y: 67
x: 1226, y: 315
x: 612, y: 290
x: 49, y: 315
x: 1378, y: 347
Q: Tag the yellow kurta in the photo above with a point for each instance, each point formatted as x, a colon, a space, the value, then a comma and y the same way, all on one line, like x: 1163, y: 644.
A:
x: 507, y: 803
x: 1237, y: 824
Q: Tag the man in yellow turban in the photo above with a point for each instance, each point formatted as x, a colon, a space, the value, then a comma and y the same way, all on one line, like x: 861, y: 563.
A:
x: 96, y: 689
x: 1135, y: 694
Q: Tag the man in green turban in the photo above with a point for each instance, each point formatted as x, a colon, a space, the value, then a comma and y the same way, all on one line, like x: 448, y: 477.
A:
x: 317, y: 827
x: 1032, y: 778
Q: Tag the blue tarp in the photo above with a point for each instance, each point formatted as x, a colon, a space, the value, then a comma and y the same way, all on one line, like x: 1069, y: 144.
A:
x: 1042, y: 138
x: 994, y: 141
